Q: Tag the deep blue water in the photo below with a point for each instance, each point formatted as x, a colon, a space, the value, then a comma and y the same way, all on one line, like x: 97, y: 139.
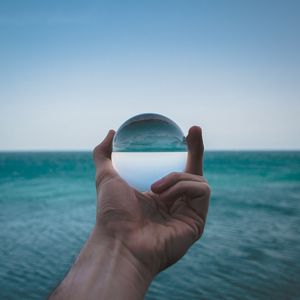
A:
x: 250, y: 248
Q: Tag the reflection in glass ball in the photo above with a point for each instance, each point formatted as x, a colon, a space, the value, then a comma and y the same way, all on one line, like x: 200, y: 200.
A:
x: 147, y: 147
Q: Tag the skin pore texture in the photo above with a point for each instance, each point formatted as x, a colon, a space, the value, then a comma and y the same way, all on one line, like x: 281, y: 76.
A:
x: 137, y: 235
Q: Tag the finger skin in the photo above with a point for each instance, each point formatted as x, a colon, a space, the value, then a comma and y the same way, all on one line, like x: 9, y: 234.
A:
x: 172, y: 178
x: 104, y: 149
x: 194, y: 164
x: 102, y: 159
x: 197, y: 195
x: 189, y: 188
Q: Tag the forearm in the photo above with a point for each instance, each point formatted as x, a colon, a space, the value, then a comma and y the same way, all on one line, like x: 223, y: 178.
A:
x: 104, y: 269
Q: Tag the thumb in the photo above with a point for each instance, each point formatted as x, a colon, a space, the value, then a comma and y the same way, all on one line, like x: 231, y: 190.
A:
x: 102, y: 158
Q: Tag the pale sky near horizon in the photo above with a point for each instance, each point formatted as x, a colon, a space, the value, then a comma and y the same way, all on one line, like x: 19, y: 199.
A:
x: 71, y: 70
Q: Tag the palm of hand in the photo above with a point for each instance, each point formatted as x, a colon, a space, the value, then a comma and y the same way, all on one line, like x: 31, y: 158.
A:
x: 156, y: 232
x: 156, y: 227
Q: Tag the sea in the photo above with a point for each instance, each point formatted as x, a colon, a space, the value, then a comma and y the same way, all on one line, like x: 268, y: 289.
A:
x: 250, y: 248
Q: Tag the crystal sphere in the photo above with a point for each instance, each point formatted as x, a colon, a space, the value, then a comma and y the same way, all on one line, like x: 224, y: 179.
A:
x: 147, y: 147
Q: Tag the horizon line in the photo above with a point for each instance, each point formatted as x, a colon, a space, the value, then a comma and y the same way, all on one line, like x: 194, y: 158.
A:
x: 209, y: 150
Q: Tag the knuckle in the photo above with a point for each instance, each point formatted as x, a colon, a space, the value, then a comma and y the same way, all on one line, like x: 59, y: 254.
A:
x: 181, y: 185
x: 198, y: 228
x: 175, y: 176
x: 206, y: 189
x: 203, y: 179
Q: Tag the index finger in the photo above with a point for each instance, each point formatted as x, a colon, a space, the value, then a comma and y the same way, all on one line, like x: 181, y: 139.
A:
x: 194, y: 164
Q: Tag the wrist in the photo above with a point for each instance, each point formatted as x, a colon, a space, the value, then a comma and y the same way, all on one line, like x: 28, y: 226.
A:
x: 105, y: 269
x: 120, y: 256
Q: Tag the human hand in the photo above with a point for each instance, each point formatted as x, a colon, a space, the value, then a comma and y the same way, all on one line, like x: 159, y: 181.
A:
x: 137, y: 234
x: 156, y: 227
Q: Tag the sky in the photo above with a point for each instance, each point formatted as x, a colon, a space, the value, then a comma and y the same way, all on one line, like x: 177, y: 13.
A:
x: 72, y: 70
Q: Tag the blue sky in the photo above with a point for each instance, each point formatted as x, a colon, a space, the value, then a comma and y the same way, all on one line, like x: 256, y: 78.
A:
x: 71, y: 70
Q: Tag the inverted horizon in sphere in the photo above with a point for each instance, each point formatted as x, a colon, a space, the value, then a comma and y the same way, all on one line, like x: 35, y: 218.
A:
x: 149, y: 133
x: 147, y: 147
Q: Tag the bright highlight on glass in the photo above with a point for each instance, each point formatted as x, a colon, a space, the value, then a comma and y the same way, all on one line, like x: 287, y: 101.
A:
x: 147, y: 147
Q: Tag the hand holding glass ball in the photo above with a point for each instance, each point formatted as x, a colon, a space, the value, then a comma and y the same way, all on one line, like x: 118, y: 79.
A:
x: 147, y: 147
x: 159, y: 225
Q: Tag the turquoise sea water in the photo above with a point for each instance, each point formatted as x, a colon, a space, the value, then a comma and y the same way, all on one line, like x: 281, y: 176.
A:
x: 250, y: 248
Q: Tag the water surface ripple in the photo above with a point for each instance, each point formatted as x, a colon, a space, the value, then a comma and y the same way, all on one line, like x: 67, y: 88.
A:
x: 250, y: 248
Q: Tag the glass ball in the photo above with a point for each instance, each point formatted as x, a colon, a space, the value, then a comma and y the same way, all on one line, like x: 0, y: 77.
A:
x: 147, y: 147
